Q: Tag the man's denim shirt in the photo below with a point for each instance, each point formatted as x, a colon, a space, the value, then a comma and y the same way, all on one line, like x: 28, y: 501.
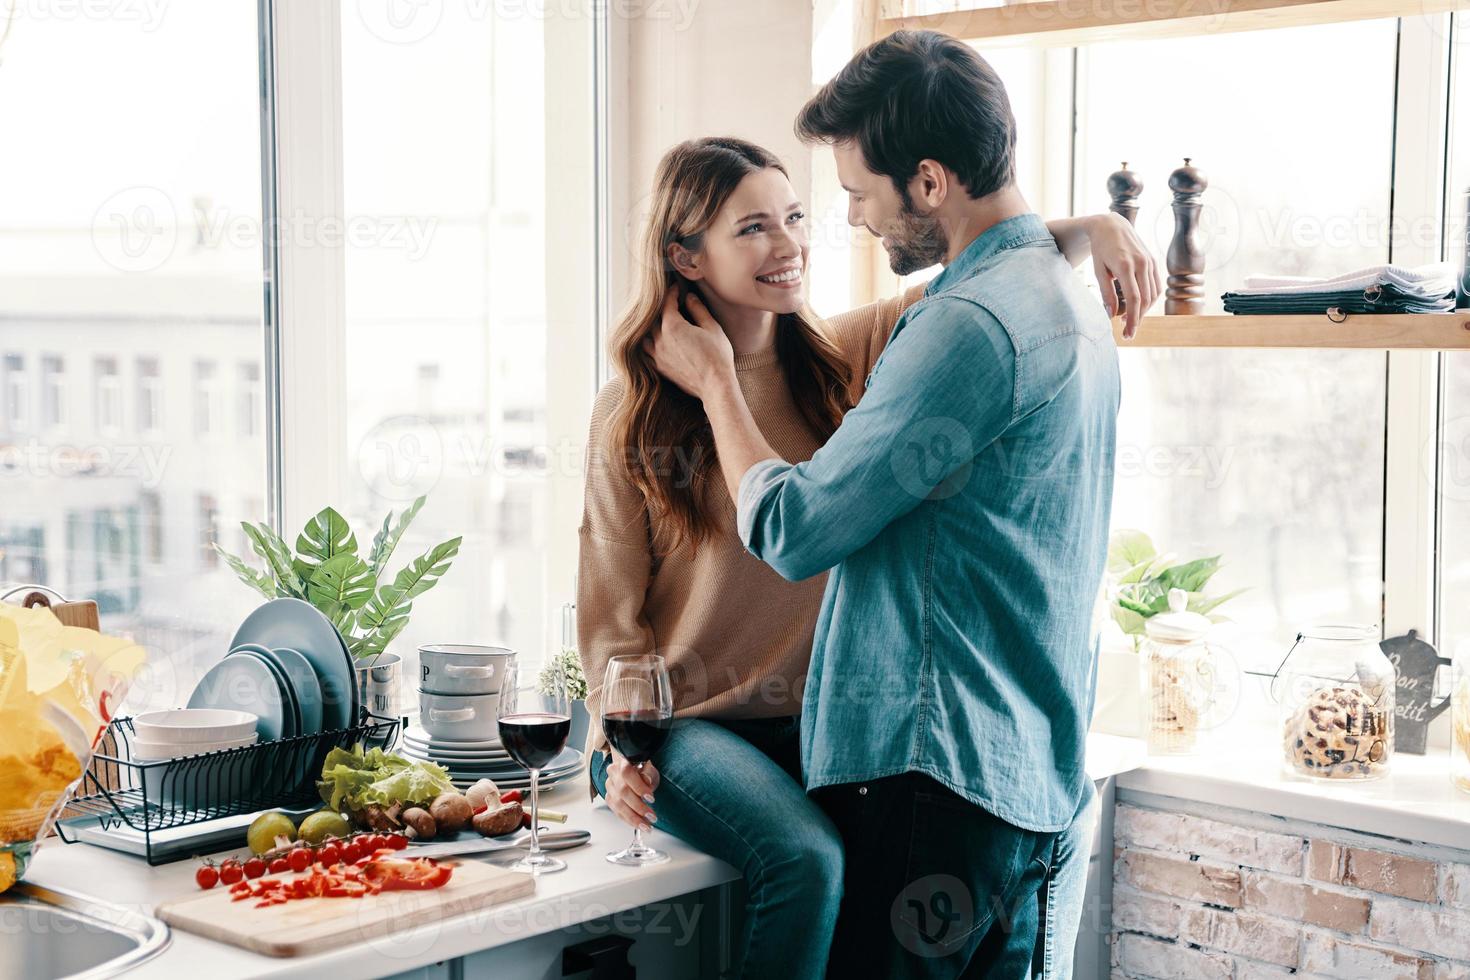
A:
x: 963, y: 509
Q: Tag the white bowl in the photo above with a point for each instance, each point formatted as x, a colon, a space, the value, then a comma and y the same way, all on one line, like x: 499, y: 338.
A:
x: 188, y: 726
x: 148, y: 751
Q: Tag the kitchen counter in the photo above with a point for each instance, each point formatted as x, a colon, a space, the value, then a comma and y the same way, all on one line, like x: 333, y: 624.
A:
x: 589, y: 889
x: 1415, y: 802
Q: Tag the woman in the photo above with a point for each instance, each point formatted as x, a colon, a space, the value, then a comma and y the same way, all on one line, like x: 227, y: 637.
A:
x: 663, y: 570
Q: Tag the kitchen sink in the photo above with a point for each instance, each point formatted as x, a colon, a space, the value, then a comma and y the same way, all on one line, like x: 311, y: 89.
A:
x: 46, y: 934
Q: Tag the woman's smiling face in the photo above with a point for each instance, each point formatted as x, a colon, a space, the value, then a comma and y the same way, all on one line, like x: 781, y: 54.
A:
x: 754, y: 253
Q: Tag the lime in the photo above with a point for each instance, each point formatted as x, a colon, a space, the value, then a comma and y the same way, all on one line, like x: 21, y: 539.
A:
x: 323, y: 824
x: 264, y: 830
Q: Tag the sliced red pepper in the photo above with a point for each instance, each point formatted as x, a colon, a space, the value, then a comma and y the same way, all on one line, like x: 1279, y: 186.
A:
x: 410, y: 874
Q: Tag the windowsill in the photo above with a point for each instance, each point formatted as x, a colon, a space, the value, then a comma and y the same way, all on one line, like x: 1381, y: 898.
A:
x: 1415, y: 802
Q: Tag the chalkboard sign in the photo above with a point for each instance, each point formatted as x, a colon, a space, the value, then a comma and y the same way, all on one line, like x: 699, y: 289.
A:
x: 1417, y: 663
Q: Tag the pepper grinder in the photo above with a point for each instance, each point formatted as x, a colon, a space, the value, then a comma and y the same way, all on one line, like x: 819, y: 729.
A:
x: 1186, y: 262
x: 1124, y: 188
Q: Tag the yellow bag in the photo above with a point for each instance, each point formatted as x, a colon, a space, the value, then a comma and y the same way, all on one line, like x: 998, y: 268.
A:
x: 58, y: 687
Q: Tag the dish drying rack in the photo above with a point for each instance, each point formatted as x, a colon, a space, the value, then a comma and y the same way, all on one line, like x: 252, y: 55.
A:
x: 166, y: 794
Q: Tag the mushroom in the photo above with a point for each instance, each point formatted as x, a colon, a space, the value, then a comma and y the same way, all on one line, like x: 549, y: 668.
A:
x: 421, y: 824
x: 452, y: 812
x: 498, y: 820
x: 483, y: 793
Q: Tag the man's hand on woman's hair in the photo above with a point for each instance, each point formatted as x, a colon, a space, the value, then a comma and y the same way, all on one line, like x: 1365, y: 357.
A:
x: 691, y: 355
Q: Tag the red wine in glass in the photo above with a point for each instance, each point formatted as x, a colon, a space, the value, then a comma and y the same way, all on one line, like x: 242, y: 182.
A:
x: 637, y: 735
x: 533, y: 731
x: 533, y: 739
x: 637, y: 710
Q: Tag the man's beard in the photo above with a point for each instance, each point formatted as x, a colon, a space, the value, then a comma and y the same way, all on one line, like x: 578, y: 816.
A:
x: 917, y: 241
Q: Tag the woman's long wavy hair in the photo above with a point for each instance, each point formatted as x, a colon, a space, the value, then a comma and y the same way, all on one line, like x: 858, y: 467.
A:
x: 657, y: 432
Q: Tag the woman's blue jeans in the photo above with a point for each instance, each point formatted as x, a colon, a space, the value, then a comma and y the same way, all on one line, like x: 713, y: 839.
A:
x: 733, y: 790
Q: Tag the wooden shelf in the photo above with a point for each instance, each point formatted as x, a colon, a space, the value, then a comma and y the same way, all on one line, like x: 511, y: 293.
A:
x: 1424, y: 331
x: 1066, y: 23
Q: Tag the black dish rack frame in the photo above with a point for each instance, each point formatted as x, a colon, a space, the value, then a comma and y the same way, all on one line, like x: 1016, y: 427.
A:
x: 165, y: 794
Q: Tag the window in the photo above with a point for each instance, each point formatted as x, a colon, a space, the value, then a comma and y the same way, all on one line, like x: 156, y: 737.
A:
x: 1272, y: 459
x: 207, y: 513
x: 107, y: 265
x: 462, y: 371
x: 150, y: 396
x: 150, y: 517
x: 248, y: 406
x: 1454, y: 434
x: 53, y: 391
x: 16, y: 393
x: 107, y: 390
x: 139, y: 271
x: 205, y: 398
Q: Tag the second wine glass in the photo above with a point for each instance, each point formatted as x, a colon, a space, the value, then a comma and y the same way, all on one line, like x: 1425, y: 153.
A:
x: 637, y: 710
x: 534, y: 734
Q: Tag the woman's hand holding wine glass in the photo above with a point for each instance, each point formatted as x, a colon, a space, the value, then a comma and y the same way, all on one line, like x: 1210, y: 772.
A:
x: 637, y: 710
x: 630, y: 790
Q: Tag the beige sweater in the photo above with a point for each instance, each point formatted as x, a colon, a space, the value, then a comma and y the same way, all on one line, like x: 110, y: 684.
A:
x: 737, y: 637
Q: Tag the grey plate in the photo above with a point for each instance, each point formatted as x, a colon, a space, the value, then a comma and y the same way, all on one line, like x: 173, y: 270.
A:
x: 298, y: 625
x: 246, y: 683
x: 293, y: 708
x: 302, y: 680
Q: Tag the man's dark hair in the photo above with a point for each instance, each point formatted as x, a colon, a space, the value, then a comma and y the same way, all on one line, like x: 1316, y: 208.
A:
x: 919, y: 95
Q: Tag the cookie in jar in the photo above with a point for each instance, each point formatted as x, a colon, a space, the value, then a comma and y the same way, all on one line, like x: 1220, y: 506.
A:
x: 1338, y: 715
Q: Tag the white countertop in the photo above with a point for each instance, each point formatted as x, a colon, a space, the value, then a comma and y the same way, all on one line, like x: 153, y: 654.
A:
x: 590, y: 888
x: 1416, y: 802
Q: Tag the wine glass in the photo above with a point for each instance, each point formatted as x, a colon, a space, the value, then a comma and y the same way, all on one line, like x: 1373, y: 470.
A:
x: 637, y: 710
x: 534, y: 734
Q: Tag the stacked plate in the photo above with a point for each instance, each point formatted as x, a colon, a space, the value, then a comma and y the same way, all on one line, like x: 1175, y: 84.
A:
x: 487, y: 759
x: 289, y: 666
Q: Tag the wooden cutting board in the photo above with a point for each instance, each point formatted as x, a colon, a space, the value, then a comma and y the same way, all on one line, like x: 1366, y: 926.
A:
x: 312, y: 925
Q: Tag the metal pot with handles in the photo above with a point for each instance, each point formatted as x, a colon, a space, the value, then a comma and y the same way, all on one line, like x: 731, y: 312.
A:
x: 460, y: 717
x: 462, y: 668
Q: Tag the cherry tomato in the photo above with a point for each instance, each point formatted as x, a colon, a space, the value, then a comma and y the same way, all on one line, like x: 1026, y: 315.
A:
x: 329, y: 854
x: 254, y: 868
x: 352, y: 850
x: 396, y: 842
x: 230, y: 872
x: 278, y: 866
x: 207, y: 876
x: 371, y: 843
x: 299, y: 859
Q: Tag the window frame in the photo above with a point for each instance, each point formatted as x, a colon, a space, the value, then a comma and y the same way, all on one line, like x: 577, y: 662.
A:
x: 1412, y: 467
x: 304, y: 372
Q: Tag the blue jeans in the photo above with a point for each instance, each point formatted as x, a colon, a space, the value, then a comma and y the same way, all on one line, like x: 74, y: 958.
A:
x: 938, y: 887
x: 733, y: 790
x: 1067, y: 892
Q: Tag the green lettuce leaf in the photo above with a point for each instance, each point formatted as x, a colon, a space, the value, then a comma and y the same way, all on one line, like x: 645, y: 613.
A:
x: 352, y: 779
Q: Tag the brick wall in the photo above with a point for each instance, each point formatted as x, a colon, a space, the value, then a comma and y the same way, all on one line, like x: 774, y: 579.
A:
x: 1195, y: 897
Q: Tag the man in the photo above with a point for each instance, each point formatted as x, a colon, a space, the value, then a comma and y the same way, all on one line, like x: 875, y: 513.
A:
x: 963, y: 507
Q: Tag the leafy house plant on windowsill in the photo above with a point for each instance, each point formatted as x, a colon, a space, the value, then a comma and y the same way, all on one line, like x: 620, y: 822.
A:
x: 327, y: 571
x: 566, y: 668
x: 1138, y: 581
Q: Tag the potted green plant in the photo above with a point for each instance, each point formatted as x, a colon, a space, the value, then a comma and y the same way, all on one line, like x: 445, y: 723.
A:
x: 566, y: 668
x: 1141, y: 579
x: 1138, y: 581
x: 351, y: 590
